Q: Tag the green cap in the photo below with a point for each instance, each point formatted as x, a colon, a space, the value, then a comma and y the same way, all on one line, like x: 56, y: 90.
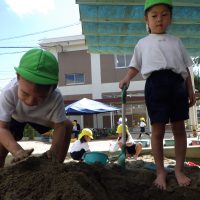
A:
x: 39, y: 66
x: 150, y: 3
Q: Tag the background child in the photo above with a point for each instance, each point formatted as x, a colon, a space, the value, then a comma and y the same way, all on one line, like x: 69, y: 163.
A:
x: 81, y: 146
x: 76, y: 128
x: 33, y: 98
x: 132, y: 149
x: 142, y: 128
x: 163, y: 61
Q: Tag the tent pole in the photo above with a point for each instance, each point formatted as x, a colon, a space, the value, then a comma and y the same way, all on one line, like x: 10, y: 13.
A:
x: 97, y: 120
x: 111, y: 120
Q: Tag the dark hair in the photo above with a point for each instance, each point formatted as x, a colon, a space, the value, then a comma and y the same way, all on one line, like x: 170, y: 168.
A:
x: 39, y: 87
x: 82, y: 140
x: 168, y: 6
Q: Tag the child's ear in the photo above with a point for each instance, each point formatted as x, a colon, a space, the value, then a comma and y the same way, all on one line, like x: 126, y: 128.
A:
x: 146, y: 19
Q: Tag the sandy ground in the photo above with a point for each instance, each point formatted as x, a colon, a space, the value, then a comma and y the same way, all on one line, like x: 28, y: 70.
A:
x: 38, y: 178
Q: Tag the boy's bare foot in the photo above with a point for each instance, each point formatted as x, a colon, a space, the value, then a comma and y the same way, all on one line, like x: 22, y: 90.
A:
x: 135, y: 157
x: 21, y: 155
x: 182, y: 179
x: 160, y: 181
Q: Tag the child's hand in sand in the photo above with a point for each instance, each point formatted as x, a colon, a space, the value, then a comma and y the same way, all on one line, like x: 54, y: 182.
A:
x: 21, y: 155
x: 50, y: 155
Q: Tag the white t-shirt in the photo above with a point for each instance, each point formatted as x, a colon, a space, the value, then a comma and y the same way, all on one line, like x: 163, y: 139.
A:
x: 160, y: 51
x: 51, y: 110
x: 142, y: 124
x: 77, y: 146
x: 129, y: 140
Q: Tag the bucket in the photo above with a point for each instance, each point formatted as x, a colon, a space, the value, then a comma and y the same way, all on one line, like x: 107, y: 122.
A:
x: 95, y: 157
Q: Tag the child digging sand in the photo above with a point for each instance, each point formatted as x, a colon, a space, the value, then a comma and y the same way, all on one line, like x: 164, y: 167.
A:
x: 33, y: 98
x: 163, y: 61
x: 132, y: 149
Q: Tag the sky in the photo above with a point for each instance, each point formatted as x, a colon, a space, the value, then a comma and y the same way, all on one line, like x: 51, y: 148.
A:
x: 25, y: 22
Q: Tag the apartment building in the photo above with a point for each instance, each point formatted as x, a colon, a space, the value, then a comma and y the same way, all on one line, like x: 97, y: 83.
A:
x: 96, y: 76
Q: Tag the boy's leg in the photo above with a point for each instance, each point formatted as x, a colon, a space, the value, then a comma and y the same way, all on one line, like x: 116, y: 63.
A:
x: 158, y: 130
x: 138, y: 149
x: 180, y: 138
x: 140, y: 135
x: 3, y: 154
x: 148, y: 134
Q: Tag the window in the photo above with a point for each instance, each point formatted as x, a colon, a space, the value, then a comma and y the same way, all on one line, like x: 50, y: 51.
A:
x: 76, y: 78
x: 122, y: 60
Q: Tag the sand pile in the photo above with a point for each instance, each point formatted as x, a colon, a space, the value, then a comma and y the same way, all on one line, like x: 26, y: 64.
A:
x: 37, y: 178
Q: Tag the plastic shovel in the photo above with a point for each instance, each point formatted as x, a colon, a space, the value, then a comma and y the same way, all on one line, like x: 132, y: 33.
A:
x: 122, y: 155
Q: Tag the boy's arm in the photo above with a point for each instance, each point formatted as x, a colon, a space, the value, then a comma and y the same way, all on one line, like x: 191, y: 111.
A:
x: 131, y: 73
x: 60, y: 141
x: 190, y: 90
x: 8, y: 141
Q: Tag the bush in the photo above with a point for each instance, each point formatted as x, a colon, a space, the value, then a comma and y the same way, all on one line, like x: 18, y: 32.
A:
x: 30, y: 132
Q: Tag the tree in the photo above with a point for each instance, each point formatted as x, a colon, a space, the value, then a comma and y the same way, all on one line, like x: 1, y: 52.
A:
x: 197, y: 82
x: 196, y: 61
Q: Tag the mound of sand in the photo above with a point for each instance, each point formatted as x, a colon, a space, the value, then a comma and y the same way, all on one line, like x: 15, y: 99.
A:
x: 37, y: 178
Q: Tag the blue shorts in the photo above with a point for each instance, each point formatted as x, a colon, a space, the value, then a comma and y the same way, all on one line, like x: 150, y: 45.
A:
x: 132, y: 149
x: 166, y: 97
x: 142, y: 129
x: 77, y: 155
x: 17, y: 128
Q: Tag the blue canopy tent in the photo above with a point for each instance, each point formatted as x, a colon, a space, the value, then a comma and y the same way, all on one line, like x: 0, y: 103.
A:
x: 87, y: 106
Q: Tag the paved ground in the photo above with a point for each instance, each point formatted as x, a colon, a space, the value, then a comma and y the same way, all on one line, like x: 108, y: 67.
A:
x: 95, y: 145
x: 40, y: 147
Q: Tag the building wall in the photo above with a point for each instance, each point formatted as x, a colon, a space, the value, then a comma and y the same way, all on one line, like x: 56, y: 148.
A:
x: 110, y: 73
x: 74, y: 62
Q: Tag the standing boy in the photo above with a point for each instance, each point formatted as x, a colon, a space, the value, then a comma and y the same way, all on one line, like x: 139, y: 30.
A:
x: 163, y: 61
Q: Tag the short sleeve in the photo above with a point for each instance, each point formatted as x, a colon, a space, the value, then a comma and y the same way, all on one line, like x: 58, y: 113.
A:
x: 7, y: 105
x: 136, y: 60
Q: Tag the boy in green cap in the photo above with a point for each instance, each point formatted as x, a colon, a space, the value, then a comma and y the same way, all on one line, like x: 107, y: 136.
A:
x: 33, y: 98
x: 163, y: 61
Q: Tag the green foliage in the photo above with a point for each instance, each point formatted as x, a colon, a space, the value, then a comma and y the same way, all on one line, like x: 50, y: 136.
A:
x: 30, y: 132
x: 196, y: 60
x: 197, y: 81
x: 111, y: 131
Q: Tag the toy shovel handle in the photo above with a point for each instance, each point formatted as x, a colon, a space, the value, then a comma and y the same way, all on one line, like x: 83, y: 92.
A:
x: 124, y: 94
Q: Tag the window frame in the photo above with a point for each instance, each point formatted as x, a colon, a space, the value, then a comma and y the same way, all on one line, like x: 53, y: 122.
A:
x: 74, y: 79
x: 125, y: 61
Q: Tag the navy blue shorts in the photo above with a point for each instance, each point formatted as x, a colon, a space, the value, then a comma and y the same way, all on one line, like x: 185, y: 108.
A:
x: 77, y: 155
x: 132, y: 149
x: 17, y: 128
x: 142, y: 129
x: 166, y: 97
